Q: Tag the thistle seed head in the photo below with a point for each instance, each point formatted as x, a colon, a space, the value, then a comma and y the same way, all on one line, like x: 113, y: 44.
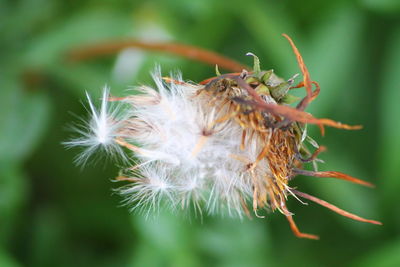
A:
x: 228, y: 144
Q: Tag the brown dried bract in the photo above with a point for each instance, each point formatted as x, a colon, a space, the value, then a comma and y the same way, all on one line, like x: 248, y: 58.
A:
x: 276, y: 126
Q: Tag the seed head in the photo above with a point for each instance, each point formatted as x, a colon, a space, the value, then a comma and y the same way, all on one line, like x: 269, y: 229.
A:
x: 223, y: 145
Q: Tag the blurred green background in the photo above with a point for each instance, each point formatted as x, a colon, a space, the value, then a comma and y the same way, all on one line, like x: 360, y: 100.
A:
x: 53, y: 213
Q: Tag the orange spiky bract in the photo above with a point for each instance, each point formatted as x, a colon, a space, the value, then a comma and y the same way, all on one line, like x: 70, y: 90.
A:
x: 247, y: 98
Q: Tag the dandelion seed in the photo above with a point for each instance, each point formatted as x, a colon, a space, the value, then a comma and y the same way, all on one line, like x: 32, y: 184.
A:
x: 99, y: 131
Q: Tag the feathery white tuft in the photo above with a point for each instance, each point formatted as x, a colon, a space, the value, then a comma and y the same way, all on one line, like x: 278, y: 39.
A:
x: 100, y: 130
x: 182, y: 157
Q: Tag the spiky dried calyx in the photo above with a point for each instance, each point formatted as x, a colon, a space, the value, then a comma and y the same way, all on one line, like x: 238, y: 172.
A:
x: 224, y: 143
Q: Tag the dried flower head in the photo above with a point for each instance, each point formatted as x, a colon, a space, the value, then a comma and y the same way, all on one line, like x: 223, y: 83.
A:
x: 226, y: 144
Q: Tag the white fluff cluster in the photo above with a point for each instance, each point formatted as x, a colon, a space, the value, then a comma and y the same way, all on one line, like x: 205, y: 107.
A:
x: 182, y: 156
x: 100, y: 130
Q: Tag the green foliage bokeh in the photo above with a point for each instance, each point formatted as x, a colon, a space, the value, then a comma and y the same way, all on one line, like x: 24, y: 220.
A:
x: 53, y: 213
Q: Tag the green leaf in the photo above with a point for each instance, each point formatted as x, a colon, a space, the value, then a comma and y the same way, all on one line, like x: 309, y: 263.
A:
x: 290, y: 99
x: 256, y: 64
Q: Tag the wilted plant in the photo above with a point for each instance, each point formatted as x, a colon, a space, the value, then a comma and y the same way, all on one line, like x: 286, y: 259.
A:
x: 225, y: 144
